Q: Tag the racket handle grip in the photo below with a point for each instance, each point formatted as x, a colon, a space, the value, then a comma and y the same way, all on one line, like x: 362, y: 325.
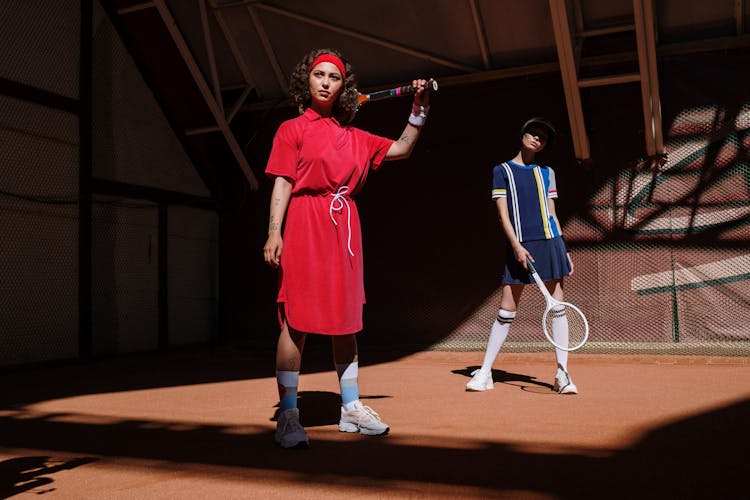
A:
x: 431, y: 85
x: 531, y: 267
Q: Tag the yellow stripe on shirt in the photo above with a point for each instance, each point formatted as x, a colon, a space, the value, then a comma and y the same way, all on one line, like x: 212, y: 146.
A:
x: 542, y: 202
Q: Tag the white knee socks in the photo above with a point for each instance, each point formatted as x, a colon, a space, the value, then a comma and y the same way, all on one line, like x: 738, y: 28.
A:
x: 498, y: 334
x: 560, y: 334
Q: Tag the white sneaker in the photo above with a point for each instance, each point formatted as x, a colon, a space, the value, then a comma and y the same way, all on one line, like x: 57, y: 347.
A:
x: 289, y: 432
x: 362, y: 419
x: 563, y: 383
x: 480, y: 382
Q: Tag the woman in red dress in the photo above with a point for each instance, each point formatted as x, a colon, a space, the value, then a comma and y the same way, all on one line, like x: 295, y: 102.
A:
x: 318, y: 162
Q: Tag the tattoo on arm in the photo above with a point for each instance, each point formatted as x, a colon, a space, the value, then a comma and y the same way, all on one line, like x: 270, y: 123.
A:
x: 277, y: 201
x: 405, y: 139
x: 274, y: 226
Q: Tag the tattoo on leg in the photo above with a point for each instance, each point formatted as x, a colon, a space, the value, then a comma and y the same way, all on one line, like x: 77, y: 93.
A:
x: 293, y: 364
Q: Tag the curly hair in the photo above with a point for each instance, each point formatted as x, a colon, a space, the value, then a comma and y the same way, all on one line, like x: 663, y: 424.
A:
x: 299, y: 86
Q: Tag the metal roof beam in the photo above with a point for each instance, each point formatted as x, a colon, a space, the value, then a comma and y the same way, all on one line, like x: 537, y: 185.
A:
x: 234, y: 48
x: 365, y: 37
x: 610, y: 30
x: 136, y: 8
x: 566, y: 56
x: 580, y: 25
x: 599, y: 81
x: 739, y: 16
x: 646, y: 41
x: 238, y: 104
x: 239, y: 60
x: 268, y: 48
x: 476, y: 16
x: 681, y: 48
x: 205, y: 91
x: 211, y: 55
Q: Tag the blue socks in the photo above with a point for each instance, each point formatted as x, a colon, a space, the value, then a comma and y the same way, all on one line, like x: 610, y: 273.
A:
x: 287, y: 382
x: 348, y: 373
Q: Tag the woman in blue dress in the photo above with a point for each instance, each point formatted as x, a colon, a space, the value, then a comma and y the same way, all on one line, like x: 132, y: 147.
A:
x: 525, y: 194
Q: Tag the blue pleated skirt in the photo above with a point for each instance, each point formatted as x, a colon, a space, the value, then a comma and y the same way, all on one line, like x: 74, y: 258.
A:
x: 550, y: 261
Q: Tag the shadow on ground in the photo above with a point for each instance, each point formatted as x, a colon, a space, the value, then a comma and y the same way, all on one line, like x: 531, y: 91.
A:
x: 699, y: 457
x: 524, y: 382
x: 30, y: 384
x: 321, y: 408
x: 18, y: 475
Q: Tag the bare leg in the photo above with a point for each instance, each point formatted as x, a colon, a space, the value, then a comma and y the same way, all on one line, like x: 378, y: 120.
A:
x: 555, y: 288
x: 289, y: 349
x: 344, y: 349
x: 511, y: 297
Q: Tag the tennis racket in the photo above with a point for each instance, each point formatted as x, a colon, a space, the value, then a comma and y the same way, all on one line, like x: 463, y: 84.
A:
x: 394, y: 92
x: 565, y: 326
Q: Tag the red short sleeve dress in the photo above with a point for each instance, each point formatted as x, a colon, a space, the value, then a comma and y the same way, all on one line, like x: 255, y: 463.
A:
x: 321, y: 280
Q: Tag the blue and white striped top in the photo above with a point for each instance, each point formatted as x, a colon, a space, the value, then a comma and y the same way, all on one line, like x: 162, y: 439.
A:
x: 527, y: 189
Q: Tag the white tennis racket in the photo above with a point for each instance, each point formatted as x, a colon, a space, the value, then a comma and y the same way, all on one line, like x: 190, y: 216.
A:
x: 565, y: 326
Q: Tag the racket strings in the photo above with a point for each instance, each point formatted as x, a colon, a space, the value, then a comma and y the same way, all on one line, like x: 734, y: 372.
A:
x: 566, y: 325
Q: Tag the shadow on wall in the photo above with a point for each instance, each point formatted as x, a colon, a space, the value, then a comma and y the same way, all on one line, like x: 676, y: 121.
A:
x: 433, y: 247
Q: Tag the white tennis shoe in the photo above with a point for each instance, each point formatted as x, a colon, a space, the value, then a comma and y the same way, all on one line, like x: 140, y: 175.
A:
x: 362, y: 419
x: 563, y: 383
x: 480, y: 382
x: 289, y: 432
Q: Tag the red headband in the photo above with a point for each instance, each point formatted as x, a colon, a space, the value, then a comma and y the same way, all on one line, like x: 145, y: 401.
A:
x: 327, y: 57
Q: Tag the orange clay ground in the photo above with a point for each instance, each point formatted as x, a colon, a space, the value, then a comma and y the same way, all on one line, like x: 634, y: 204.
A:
x: 199, y: 425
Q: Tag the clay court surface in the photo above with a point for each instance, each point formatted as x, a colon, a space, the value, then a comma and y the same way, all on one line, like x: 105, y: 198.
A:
x: 199, y: 425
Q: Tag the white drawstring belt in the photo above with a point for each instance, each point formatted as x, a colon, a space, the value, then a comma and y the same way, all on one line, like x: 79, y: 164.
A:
x: 337, y: 205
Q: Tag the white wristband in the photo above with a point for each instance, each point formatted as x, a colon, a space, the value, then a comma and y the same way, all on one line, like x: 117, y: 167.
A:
x: 418, y: 114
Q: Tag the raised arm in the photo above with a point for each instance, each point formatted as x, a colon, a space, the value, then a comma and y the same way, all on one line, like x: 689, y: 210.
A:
x: 282, y: 191
x: 403, y: 147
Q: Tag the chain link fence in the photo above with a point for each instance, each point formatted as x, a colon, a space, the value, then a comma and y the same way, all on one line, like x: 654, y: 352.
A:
x: 680, y: 282
x: 133, y: 144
